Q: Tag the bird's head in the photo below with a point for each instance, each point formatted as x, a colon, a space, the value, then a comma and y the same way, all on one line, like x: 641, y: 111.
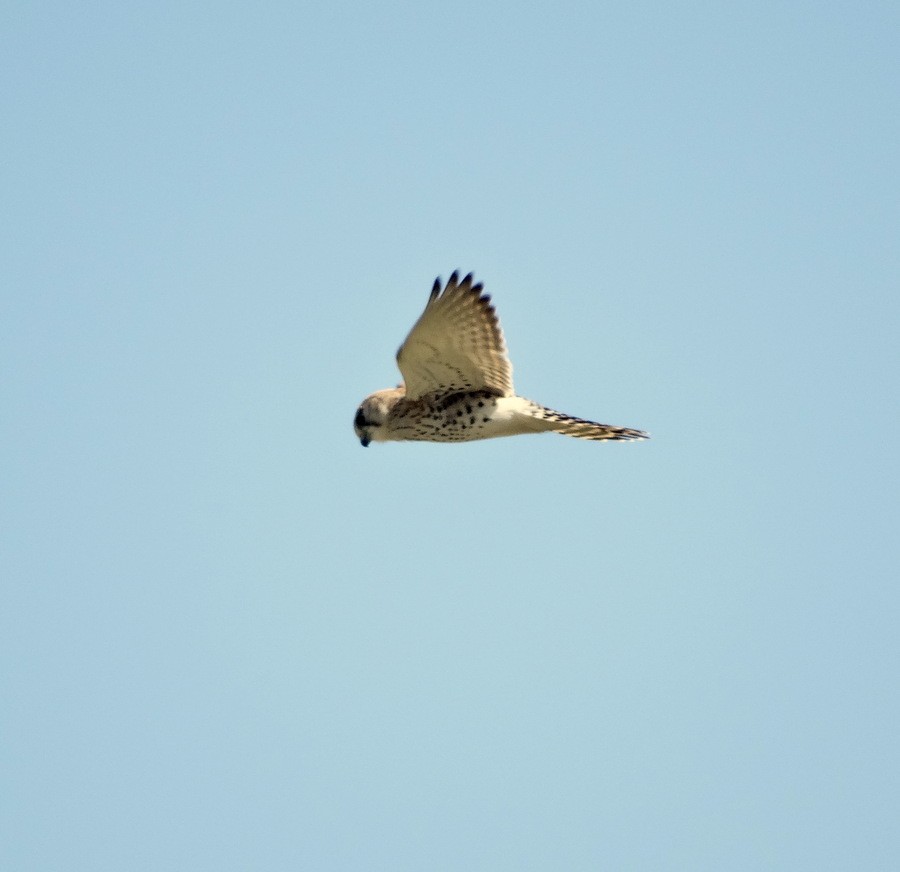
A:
x: 371, y: 416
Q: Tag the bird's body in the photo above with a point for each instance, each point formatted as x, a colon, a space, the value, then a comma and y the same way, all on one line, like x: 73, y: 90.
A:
x: 458, y: 381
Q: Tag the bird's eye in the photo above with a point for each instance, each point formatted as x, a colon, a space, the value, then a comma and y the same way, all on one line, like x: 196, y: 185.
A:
x: 360, y: 419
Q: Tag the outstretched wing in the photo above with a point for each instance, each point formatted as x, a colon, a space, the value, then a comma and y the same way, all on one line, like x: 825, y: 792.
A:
x: 456, y: 345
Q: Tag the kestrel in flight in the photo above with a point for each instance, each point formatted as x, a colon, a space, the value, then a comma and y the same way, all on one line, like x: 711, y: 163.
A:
x: 457, y: 381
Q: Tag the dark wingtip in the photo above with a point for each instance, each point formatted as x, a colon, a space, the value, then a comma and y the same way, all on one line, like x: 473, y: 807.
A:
x: 453, y: 282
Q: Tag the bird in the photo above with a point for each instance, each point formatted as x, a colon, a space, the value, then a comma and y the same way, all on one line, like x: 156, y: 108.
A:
x: 457, y: 381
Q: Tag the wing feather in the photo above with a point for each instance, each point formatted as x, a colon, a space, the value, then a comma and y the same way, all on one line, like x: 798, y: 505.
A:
x: 457, y: 344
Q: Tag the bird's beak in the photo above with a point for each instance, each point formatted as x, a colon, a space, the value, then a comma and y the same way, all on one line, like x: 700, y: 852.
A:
x: 364, y: 441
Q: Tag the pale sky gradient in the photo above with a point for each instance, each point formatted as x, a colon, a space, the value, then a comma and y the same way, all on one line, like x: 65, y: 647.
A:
x: 232, y: 639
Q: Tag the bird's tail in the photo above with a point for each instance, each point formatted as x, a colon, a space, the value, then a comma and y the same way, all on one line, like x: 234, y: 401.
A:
x: 581, y: 429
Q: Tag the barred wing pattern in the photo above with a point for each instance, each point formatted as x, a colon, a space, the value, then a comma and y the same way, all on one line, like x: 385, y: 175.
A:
x: 456, y: 345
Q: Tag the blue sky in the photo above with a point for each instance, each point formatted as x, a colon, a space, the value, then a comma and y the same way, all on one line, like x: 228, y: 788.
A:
x: 234, y: 639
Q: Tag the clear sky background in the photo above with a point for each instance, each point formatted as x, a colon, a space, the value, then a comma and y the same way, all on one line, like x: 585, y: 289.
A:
x: 232, y: 639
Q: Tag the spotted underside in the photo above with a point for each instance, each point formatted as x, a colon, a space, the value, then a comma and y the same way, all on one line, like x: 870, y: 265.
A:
x: 459, y: 417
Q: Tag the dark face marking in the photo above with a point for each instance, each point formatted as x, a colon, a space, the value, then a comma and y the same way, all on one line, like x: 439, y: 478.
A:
x: 360, y: 419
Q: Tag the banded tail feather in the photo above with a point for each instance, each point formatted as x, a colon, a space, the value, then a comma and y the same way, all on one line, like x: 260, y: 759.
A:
x: 580, y: 428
